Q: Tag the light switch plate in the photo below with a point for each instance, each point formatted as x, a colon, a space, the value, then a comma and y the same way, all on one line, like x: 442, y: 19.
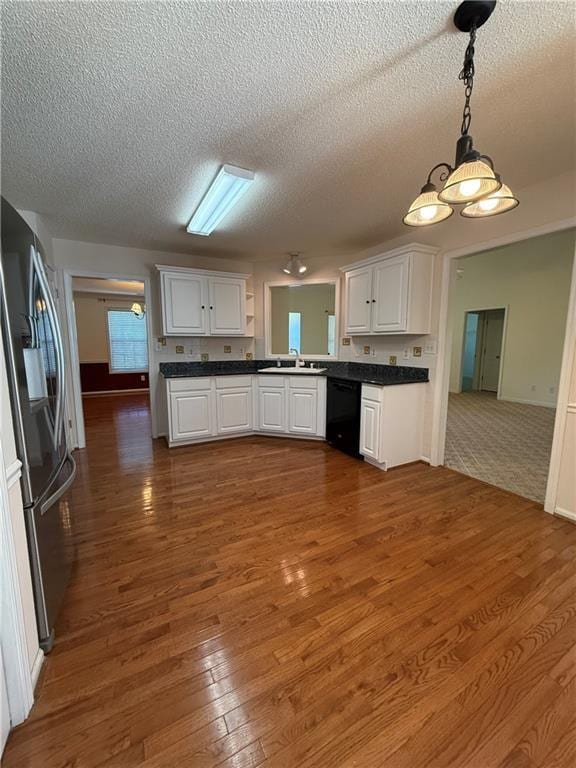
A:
x: 430, y: 348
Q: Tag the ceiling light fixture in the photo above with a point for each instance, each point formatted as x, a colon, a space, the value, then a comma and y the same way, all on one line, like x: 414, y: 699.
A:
x: 294, y: 265
x: 224, y: 192
x: 472, y: 181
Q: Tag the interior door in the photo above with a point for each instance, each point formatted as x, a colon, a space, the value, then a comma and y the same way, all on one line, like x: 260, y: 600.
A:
x: 358, y: 301
x: 227, y: 308
x: 184, y: 303
x: 390, y: 295
x: 492, y: 349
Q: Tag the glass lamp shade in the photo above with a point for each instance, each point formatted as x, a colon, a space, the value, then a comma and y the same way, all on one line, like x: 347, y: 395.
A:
x: 137, y: 309
x: 498, y: 202
x: 427, y: 209
x: 469, y: 182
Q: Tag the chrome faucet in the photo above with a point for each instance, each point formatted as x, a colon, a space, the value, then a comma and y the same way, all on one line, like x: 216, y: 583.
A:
x: 295, y: 351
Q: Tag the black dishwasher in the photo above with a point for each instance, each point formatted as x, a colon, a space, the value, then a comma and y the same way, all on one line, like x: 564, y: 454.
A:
x: 343, y: 415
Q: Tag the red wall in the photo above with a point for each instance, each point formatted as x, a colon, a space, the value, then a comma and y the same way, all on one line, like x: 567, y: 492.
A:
x: 94, y: 377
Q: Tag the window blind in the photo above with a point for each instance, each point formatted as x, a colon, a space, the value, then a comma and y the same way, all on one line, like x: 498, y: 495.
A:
x: 128, y: 343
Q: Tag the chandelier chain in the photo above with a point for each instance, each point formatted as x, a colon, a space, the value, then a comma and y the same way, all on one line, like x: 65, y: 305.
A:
x: 467, y: 77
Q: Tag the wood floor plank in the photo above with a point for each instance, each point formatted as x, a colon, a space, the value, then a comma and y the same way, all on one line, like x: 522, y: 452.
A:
x: 267, y: 602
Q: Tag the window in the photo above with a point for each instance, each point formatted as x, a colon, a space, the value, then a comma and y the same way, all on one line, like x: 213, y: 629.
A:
x: 294, y: 331
x: 331, y: 334
x: 127, y: 341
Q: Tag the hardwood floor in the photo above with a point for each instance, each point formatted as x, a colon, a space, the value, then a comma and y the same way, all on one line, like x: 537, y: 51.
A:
x: 275, y: 603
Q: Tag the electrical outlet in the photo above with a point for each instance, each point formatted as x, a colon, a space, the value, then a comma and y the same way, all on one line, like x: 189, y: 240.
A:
x: 142, y: 377
x: 430, y: 348
x: 406, y: 354
x: 346, y: 341
x: 393, y: 360
x: 227, y: 348
x: 249, y: 356
x: 179, y: 349
x: 417, y: 351
x: 204, y: 357
x: 366, y: 349
x: 373, y: 352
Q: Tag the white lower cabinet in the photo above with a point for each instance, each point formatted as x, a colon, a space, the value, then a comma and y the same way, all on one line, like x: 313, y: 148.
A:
x: 191, y: 415
x: 204, y: 408
x: 391, y: 424
x: 369, y: 428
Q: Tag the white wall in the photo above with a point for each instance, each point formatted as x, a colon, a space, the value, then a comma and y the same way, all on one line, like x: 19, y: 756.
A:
x: 532, y: 279
x: 137, y: 263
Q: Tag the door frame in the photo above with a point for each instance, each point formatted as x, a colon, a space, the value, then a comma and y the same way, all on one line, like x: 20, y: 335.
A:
x: 74, y: 398
x: 502, y: 346
x: 442, y: 378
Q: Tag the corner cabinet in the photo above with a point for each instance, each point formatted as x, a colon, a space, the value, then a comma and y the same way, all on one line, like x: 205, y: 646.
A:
x: 196, y: 302
x: 390, y: 293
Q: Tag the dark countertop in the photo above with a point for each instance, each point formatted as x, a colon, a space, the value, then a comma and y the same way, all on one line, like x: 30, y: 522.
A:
x: 368, y: 373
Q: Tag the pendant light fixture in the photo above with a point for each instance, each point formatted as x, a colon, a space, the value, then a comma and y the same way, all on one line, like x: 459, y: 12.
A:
x: 294, y: 265
x: 472, y: 181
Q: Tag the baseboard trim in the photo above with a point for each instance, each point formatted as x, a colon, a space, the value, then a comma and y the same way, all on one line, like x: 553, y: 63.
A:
x: 425, y: 459
x: 527, y: 402
x: 36, y: 668
x: 565, y: 513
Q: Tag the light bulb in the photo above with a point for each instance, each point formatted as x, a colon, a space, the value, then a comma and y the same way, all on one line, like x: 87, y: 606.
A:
x: 470, y: 187
x: 428, y: 212
x: 286, y: 270
x: 488, y: 203
x: 302, y: 269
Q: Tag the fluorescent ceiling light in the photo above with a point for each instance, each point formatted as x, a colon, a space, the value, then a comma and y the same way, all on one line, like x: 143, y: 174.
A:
x: 224, y: 192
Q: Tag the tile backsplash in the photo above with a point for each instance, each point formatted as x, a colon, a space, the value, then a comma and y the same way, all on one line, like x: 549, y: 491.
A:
x: 194, y: 348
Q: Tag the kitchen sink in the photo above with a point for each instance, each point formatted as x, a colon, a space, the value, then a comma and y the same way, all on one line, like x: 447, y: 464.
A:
x: 291, y: 369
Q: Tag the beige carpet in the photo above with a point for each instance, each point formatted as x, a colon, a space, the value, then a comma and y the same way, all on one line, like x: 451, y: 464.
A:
x: 505, y: 444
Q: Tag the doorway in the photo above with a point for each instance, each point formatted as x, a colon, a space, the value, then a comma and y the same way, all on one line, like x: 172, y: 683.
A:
x: 109, y: 341
x: 482, y: 352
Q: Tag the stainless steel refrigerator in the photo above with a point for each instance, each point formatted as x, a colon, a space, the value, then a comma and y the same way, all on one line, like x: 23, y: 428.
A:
x: 36, y: 377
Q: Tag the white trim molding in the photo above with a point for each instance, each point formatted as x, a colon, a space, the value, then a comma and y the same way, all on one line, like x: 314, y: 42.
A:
x: 13, y: 472
x: 37, y: 667
x: 565, y: 513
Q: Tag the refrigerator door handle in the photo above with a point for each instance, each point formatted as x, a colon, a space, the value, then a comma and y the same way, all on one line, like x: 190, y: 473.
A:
x: 59, y: 348
x: 47, y: 503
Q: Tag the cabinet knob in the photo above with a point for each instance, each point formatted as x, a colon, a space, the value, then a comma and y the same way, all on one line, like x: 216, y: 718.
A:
x: 211, y: 307
x: 203, y: 307
x: 373, y: 301
x: 367, y: 301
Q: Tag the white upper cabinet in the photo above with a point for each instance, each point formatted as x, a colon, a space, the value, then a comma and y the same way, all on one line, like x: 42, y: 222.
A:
x: 390, y: 293
x: 358, y: 300
x: 227, y: 308
x: 184, y: 302
x: 200, y: 303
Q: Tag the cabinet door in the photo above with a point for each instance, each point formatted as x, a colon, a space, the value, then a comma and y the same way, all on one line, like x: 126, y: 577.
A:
x: 272, y: 408
x: 390, y: 297
x: 358, y: 301
x: 184, y: 303
x: 370, y: 429
x: 190, y: 415
x: 227, y: 308
x: 234, y: 410
x: 302, y: 411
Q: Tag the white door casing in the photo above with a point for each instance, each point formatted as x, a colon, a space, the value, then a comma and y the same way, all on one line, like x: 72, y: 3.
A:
x: 492, y: 349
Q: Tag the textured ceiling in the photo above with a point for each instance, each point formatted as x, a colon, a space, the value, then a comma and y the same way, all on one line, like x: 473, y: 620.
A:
x: 116, y: 115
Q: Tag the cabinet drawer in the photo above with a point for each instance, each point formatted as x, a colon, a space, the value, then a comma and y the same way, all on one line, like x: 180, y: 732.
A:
x: 271, y: 381
x: 189, y: 385
x: 370, y: 392
x: 304, y: 381
x: 233, y: 382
